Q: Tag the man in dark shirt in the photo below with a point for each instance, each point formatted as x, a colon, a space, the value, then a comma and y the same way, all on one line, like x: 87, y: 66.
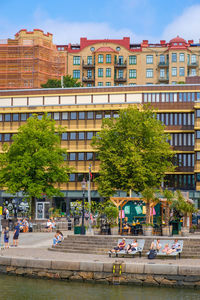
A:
x: 16, y: 235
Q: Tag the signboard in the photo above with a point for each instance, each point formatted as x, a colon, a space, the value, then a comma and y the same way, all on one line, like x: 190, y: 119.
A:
x: 127, y: 210
x: 1, y: 210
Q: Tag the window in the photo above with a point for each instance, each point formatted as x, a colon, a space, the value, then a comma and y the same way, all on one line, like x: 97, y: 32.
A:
x: 81, y: 156
x: 198, y: 113
x: 108, y: 58
x: 89, y: 156
x: 1, y: 117
x: 81, y: 115
x: 90, y: 115
x: 149, y: 59
x: 108, y: 83
x: 132, y: 73
x: 76, y: 74
x: 23, y: 117
x: 118, y: 48
x: 98, y: 115
x: 100, y: 72
x: 100, y: 83
x: 72, y: 156
x: 73, y: 116
x: 121, y: 74
x: 174, y: 57
x: 15, y: 117
x: 121, y: 60
x: 89, y: 60
x: 7, y: 117
x: 193, y: 59
x: 72, y: 135
x: 132, y: 60
x: 162, y: 59
x: 89, y: 74
x: 64, y: 136
x: 149, y: 73
x: 198, y: 155
x: 193, y: 72
x: 89, y: 135
x: 56, y: 116
x: 64, y: 115
x: 181, y: 57
x: 89, y: 84
x: 198, y: 134
x: 162, y: 73
x: 76, y: 60
x: 174, y: 71
x: 81, y: 135
x: 100, y: 58
x: 72, y: 177
x: 107, y: 115
x: 181, y: 71
x: 7, y: 137
x: 108, y: 72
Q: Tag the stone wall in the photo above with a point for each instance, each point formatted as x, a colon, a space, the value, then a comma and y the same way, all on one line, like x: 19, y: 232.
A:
x: 129, y: 273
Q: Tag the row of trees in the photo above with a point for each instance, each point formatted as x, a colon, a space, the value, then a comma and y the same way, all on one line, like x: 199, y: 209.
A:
x: 133, y: 151
x: 68, y: 81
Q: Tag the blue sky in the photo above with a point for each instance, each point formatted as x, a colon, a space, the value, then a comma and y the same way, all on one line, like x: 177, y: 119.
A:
x: 69, y: 20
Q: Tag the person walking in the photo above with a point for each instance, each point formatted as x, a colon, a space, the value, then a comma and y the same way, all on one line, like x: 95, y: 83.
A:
x: 16, y: 235
x: 6, y: 238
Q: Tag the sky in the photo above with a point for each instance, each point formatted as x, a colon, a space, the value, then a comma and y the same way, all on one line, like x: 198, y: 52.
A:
x: 69, y: 20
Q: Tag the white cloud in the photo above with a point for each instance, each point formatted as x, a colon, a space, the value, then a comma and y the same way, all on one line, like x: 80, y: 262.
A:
x: 186, y: 25
x: 70, y: 32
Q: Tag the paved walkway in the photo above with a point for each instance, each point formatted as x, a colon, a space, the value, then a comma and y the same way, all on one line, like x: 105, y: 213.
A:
x: 36, y: 244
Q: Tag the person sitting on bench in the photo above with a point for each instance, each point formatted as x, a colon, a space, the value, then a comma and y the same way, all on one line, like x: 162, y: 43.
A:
x: 175, y: 247
x: 132, y: 247
x: 119, y: 247
x: 166, y: 249
x: 156, y: 246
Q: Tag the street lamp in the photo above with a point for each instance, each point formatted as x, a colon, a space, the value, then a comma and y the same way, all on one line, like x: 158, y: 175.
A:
x: 83, y: 185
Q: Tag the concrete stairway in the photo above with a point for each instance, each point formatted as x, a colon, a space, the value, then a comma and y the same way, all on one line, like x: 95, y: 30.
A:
x: 102, y: 244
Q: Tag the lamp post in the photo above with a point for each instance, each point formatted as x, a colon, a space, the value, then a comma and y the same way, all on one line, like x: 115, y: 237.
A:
x: 83, y: 185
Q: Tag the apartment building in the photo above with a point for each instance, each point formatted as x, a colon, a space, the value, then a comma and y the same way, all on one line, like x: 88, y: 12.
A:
x: 31, y: 58
x: 81, y: 110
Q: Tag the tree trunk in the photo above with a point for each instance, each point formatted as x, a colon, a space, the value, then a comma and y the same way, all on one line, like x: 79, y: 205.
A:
x: 32, y: 208
x: 167, y: 212
x: 148, y: 212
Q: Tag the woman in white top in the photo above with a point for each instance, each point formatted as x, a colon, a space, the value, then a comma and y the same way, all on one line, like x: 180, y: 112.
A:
x: 132, y: 247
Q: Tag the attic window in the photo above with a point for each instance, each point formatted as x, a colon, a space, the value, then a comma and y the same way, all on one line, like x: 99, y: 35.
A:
x: 92, y: 48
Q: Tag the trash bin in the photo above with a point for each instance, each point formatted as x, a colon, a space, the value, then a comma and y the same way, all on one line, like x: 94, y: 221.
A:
x: 77, y: 230
x: 76, y: 220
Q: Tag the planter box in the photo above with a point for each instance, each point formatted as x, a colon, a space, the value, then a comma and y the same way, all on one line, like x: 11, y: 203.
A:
x: 96, y: 231
x: 167, y: 230
x: 114, y: 230
x: 185, y: 231
x: 147, y: 230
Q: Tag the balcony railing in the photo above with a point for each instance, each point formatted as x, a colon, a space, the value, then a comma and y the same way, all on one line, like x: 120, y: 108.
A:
x: 88, y: 66
x: 88, y: 79
x: 120, y: 79
x: 119, y: 64
x: 164, y: 79
x: 192, y: 65
x: 163, y: 64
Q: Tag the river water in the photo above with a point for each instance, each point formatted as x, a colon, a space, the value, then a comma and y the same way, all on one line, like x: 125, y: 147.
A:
x: 20, y: 288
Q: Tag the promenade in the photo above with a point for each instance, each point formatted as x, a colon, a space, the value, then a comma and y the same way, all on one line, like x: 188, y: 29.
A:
x: 32, y: 258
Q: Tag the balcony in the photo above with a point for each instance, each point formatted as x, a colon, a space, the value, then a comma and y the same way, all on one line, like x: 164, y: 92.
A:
x: 88, y: 66
x: 120, y: 79
x: 163, y: 79
x: 120, y: 64
x: 88, y: 79
x: 192, y: 65
x: 163, y: 64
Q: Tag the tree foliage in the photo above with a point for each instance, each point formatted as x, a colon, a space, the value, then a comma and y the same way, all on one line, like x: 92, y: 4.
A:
x: 133, y: 152
x: 34, y: 163
x: 68, y: 81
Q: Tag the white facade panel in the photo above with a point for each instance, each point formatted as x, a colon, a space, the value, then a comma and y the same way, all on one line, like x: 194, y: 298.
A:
x: 118, y: 98
x: 100, y: 99
x: 5, y: 102
x: 134, y: 98
x: 67, y: 100
x: 20, y: 101
x: 84, y: 99
x: 35, y: 101
x: 51, y: 100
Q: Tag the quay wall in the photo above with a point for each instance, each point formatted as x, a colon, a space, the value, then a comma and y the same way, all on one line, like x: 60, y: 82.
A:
x: 116, y: 272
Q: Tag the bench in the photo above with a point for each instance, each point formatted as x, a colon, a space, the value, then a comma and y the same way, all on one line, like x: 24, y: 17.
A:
x: 170, y: 243
x: 128, y: 242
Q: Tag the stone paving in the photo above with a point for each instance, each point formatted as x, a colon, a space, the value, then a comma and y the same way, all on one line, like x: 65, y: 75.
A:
x: 35, y: 245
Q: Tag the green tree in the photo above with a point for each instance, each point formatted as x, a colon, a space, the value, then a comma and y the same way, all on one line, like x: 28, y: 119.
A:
x: 169, y: 196
x: 68, y: 81
x: 133, y: 152
x: 34, y: 163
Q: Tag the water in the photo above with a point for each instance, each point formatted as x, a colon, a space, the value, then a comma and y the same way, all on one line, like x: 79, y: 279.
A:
x: 15, y: 288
